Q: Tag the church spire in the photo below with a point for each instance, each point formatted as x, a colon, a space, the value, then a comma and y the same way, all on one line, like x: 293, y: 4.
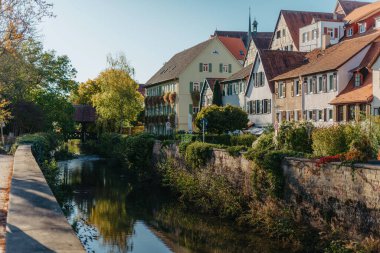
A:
x: 249, y: 29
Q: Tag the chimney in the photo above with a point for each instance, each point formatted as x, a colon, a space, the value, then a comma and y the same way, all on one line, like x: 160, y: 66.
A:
x: 326, y: 41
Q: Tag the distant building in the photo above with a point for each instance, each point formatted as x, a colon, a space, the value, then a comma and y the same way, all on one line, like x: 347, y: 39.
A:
x: 260, y: 91
x: 182, y: 78
x: 363, y: 20
x: 234, y: 87
x: 286, y: 35
x: 207, y: 91
x: 345, y: 7
x: 320, y: 34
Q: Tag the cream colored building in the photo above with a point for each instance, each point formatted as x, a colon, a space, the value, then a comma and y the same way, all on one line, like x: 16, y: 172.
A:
x: 184, y: 75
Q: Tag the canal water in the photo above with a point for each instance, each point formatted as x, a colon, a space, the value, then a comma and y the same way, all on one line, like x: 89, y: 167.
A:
x: 110, y: 214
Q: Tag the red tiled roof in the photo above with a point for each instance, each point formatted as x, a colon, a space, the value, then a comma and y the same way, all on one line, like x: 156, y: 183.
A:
x: 177, y: 64
x: 331, y: 58
x: 276, y: 62
x: 352, y: 94
x: 235, y: 46
x: 298, y: 19
x: 240, y: 75
x: 84, y: 113
x: 363, y: 93
x: 353, y: 7
x: 262, y: 39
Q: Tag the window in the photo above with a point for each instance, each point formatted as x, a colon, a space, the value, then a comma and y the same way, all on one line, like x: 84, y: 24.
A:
x: 304, y: 37
x: 314, y: 84
x: 205, y: 67
x: 283, y: 32
x: 377, y: 25
x: 309, y: 115
x: 350, y: 32
x: 320, y: 84
x: 362, y: 27
x: 225, y: 68
x: 335, y: 82
x: 331, y: 82
x: 281, y: 91
x: 351, y: 112
x: 330, y: 114
x: 278, y: 34
x: 340, y: 113
x: 297, y: 87
x: 291, y: 48
x: 196, y: 87
x: 358, y: 79
x: 195, y: 109
x: 310, y: 86
x: 320, y: 115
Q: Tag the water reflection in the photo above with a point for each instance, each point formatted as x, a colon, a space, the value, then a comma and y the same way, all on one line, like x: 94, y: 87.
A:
x: 109, y: 214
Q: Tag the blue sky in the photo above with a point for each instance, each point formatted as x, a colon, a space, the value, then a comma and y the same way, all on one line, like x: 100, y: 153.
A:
x: 150, y: 32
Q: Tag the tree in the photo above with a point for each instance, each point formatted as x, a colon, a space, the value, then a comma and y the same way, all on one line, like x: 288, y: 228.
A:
x: 222, y: 119
x: 18, y: 21
x: 217, y: 96
x: 118, y: 100
x: 83, y: 94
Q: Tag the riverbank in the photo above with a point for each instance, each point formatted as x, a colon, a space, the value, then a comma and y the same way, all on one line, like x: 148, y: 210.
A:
x: 35, y: 221
x: 6, y: 164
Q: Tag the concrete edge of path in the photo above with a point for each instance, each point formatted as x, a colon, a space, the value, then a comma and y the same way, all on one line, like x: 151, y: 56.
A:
x: 35, y: 220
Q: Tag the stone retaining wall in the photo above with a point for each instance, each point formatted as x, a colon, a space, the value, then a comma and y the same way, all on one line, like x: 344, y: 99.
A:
x: 345, y: 196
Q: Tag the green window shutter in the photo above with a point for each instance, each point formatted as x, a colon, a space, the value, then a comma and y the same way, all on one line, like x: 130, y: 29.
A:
x: 200, y: 67
x: 210, y: 67
x: 229, y: 68
x: 190, y: 109
x: 191, y: 87
x: 221, y: 68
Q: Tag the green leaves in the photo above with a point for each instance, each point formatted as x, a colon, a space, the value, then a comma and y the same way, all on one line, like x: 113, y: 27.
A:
x: 222, y: 119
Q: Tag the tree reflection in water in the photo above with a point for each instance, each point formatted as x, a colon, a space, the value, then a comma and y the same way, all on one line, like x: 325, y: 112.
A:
x: 105, y: 207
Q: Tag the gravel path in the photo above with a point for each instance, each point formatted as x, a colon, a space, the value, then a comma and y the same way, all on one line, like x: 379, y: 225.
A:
x: 6, y: 163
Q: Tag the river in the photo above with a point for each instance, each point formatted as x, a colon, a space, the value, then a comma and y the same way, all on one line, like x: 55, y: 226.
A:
x: 110, y: 214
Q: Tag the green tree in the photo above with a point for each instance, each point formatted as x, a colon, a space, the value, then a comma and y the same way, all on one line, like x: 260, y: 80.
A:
x: 217, y: 96
x: 222, y: 119
x: 118, y: 100
x: 83, y: 94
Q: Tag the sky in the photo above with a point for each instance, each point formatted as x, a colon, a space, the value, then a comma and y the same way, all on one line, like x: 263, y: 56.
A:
x: 150, y: 32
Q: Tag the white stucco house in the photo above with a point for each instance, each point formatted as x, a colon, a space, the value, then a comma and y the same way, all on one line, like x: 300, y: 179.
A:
x: 260, y: 91
x: 320, y: 34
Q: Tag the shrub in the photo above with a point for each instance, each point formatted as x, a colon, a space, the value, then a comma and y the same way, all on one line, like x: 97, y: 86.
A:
x: 223, y: 139
x: 362, y: 147
x: 243, y: 140
x: 329, y: 141
x: 206, y: 191
x: 42, y: 144
x: 295, y: 136
x: 262, y: 145
x: 198, y: 153
x: 222, y: 119
x: 236, y: 150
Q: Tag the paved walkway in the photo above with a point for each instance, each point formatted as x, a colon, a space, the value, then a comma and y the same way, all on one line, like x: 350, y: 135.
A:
x: 6, y: 163
x: 35, y: 220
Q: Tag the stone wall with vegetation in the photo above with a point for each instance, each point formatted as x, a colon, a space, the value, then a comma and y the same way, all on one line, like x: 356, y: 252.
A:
x: 340, y: 195
x: 344, y: 196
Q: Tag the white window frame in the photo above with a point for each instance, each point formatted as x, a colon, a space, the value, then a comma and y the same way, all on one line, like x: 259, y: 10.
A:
x: 328, y: 115
x: 377, y: 22
x: 205, y: 67
x: 357, y: 80
x: 225, y: 68
x: 350, y: 32
x: 196, y: 86
x: 362, y: 27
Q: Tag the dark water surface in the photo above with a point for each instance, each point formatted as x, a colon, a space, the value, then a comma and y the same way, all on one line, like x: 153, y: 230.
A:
x: 109, y: 214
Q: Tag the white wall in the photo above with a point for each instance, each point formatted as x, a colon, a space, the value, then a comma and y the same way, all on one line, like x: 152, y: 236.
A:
x: 376, y: 84
x: 260, y: 93
x: 312, y: 44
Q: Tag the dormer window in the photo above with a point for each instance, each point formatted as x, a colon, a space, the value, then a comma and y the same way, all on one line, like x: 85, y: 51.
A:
x: 358, y: 79
x: 350, y: 32
x: 362, y: 27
